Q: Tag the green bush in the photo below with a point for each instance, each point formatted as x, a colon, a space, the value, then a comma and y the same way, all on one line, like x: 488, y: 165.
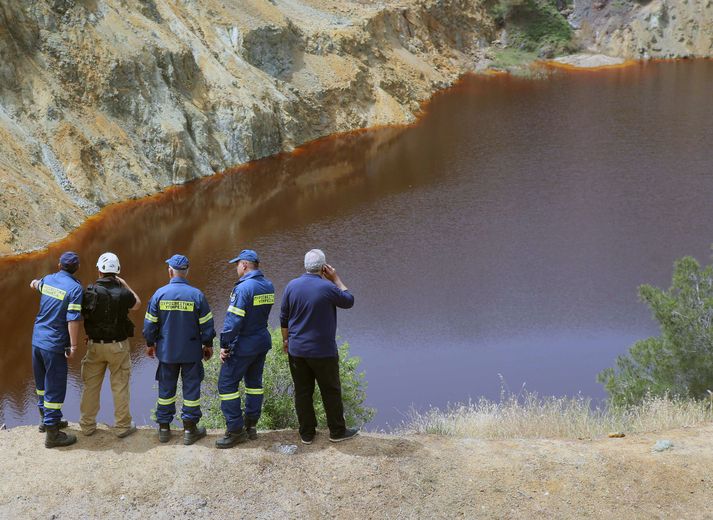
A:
x: 534, y: 25
x: 278, y: 405
x: 679, y: 362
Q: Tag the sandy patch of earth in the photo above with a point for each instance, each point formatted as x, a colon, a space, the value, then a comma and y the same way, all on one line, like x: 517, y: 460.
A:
x: 589, y: 61
x: 373, y: 476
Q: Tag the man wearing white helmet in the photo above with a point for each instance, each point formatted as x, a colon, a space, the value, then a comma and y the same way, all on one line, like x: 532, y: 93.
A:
x: 106, y: 321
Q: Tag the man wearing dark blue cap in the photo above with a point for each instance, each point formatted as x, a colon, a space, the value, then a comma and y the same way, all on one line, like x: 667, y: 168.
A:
x: 178, y: 328
x: 54, y: 340
x: 244, y: 343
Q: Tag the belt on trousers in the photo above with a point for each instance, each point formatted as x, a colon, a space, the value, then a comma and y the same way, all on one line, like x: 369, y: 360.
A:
x: 106, y: 340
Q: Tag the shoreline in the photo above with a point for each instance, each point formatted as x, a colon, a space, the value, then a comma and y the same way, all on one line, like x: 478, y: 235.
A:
x: 96, y: 219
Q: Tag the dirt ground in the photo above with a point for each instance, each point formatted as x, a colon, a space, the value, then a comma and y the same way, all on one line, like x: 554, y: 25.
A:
x: 373, y: 476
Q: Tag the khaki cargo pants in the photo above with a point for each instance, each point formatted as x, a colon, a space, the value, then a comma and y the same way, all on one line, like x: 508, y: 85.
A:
x: 99, y: 357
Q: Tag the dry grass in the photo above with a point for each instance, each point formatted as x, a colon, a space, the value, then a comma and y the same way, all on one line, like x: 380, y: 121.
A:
x: 532, y: 416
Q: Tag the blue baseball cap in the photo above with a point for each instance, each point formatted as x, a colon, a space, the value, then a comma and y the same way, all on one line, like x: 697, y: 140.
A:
x: 69, y: 259
x: 246, y: 254
x: 178, y: 262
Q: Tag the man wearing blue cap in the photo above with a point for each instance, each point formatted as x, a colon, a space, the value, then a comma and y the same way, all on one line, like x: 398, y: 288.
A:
x: 54, y: 340
x: 178, y: 328
x: 244, y: 343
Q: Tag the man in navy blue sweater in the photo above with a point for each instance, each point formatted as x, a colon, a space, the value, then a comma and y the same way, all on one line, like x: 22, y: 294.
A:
x: 308, y: 318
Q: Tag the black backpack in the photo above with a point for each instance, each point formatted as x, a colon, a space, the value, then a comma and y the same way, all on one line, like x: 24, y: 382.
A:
x: 103, y: 313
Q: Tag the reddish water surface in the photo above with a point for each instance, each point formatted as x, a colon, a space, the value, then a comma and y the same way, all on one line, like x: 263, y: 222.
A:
x: 505, y: 234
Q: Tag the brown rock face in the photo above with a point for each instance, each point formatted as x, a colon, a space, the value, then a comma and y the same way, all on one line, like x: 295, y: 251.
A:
x: 643, y: 30
x: 104, y: 100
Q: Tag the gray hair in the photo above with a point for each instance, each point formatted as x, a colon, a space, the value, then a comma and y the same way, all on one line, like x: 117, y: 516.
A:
x: 314, y: 261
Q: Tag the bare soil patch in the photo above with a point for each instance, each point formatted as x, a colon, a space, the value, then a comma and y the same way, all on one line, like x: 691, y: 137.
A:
x: 373, y: 476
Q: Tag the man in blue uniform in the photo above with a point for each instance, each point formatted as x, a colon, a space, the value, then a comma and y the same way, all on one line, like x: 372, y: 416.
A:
x: 178, y: 328
x: 244, y: 343
x: 54, y: 341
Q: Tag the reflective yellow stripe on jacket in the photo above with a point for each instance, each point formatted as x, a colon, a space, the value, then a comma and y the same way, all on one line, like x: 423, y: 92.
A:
x: 236, y: 310
x: 205, y: 318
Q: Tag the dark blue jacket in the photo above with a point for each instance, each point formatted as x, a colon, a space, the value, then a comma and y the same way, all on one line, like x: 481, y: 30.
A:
x: 245, y: 328
x: 179, y: 322
x: 309, y: 312
x: 61, y: 301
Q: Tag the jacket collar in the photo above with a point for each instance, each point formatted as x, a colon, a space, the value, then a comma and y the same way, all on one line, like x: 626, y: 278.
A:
x: 65, y: 273
x: 251, y: 274
x: 178, y: 280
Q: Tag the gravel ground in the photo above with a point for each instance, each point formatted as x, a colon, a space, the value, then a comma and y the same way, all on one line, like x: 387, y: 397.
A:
x: 373, y: 476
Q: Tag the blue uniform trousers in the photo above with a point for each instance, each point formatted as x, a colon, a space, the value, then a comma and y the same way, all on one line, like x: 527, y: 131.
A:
x: 232, y: 371
x: 50, y: 369
x: 167, y: 377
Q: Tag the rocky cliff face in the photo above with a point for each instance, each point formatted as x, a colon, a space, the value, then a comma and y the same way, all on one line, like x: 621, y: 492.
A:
x: 642, y: 30
x: 104, y: 100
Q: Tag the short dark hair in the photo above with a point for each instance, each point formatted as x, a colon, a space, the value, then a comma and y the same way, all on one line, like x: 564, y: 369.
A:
x: 70, y: 268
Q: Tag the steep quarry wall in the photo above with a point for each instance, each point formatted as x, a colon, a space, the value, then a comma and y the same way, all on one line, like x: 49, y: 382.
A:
x: 104, y: 100
x: 635, y: 29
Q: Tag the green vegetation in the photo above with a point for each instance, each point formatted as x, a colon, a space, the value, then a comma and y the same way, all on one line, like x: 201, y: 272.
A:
x: 278, y: 405
x: 680, y: 361
x: 531, y: 416
x: 534, y: 26
x: 510, y: 58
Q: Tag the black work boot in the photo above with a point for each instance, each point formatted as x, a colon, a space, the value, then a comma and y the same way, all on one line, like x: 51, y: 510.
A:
x: 164, y: 432
x: 56, y: 439
x: 230, y: 439
x: 250, y: 427
x: 41, y: 428
x: 192, y: 432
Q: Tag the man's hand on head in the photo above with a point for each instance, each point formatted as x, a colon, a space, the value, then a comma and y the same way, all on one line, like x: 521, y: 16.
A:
x: 329, y: 272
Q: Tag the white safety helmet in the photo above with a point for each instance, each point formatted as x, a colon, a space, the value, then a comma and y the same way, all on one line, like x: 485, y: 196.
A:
x: 109, y: 263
